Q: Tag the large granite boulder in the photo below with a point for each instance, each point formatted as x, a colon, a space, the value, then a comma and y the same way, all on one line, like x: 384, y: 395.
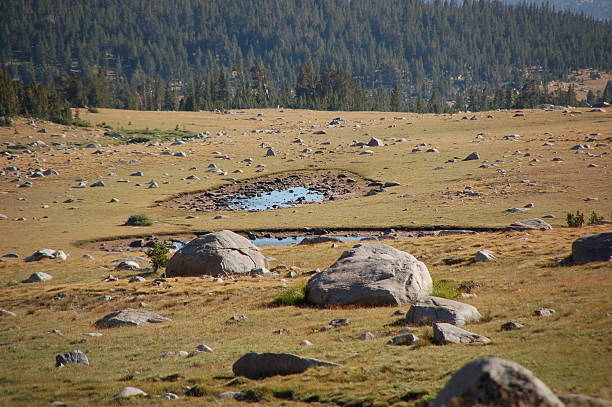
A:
x: 260, y: 365
x: 495, y: 382
x: 435, y: 309
x: 592, y: 248
x: 218, y: 253
x: 371, y: 274
x: 129, y: 317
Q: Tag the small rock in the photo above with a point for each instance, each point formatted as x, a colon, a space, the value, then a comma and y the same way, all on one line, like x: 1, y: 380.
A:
x: 37, y: 277
x: 447, y: 333
x: 130, y: 392
x: 484, y: 255
x: 543, y: 312
x: 76, y: 356
x: 405, y: 340
x: 367, y: 336
x: 510, y: 325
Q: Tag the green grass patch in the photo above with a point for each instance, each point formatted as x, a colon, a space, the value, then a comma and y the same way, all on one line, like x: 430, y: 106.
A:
x: 445, y: 289
x: 291, y: 296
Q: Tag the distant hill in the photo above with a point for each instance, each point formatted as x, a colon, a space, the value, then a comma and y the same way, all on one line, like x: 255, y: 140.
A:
x: 413, y: 44
x: 600, y: 9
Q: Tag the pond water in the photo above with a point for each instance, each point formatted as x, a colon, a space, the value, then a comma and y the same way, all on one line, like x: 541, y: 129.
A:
x: 284, y: 241
x: 282, y: 198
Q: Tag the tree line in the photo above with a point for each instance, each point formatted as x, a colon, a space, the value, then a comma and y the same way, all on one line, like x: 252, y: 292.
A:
x: 322, y: 88
x: 417, y: 46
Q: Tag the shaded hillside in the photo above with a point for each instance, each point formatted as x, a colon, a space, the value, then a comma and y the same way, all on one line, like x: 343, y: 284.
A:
x: 386, y: 42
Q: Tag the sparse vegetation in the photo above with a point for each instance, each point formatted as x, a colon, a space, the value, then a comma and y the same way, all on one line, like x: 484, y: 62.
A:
x: 138, y: 220
x: 575, y: 220
x: 595, y: 219
x: 291, y: 296
x: 158, y: 255
x: 445, y: 289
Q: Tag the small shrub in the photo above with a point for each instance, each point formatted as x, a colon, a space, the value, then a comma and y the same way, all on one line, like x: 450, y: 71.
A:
x: 445, y: 289
x: 575, y: 221
x: 594, y: 219
x: 158, y: 255
x: 139, y: 220
x: 291, y: 296
x: 6, y: 121
x: 137, y: 140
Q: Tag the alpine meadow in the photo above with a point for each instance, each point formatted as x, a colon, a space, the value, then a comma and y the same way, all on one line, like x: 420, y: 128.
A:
x: 343, y: 203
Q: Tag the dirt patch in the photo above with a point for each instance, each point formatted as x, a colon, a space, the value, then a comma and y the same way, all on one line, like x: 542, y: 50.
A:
x: 322, y: 186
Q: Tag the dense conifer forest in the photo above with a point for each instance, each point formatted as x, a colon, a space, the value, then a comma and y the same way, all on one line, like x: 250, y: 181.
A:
x: 325, y: 54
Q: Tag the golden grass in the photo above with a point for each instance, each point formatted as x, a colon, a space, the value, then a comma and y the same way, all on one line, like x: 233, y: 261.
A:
x: 570, y: 351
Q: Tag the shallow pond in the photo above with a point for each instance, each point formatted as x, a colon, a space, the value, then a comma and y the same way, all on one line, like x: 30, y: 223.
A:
x: 283, y: 198
x: 284, y: 241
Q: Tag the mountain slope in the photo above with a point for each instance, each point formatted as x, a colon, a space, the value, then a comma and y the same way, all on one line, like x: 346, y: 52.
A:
x: 381, y: 43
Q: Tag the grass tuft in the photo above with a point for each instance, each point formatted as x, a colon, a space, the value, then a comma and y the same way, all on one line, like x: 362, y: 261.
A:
x: 445, y: 289
x: 291, y: 296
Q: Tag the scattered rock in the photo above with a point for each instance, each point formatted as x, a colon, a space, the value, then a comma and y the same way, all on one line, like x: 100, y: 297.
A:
x: 367, y: 336
x: 530, y: 224
x: 129, y: 317
x: 218, y: 253
x: 591, y: 248
x: 447, y: 333
x: 129, y: 392
x: 544, y: 312
x: 76, y: 356
x: 371, y: 274
x: 484, y: 255
x: 6, y: 313
x: 405, y: 340
x: 260, y: 365
x: 38, y: 277
x: 436, y: 309
x: 472, y: 156
x: 495, y: 382
x: 375, y: 142
x: 510, y: 326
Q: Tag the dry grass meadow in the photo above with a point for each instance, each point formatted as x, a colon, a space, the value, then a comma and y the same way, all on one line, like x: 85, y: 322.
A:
x: 570, y: 351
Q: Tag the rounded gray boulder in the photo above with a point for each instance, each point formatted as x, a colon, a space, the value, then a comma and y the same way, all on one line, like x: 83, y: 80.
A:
x: 260, y: 365
x: 495, y: 382
x: 592, y: 248
x: 219, y: 253
x: 371, y: 274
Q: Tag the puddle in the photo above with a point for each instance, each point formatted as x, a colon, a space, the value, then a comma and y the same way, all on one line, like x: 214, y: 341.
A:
x: 276, y: 191
x: 285, y: 241
x: 276, y: 199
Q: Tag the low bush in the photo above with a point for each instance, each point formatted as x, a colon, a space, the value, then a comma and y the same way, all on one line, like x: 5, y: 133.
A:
x: 139, y: 220
x: 137, y: 140
x: 575, y: 221
x: 291, y: 296
x: 595, y: 219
